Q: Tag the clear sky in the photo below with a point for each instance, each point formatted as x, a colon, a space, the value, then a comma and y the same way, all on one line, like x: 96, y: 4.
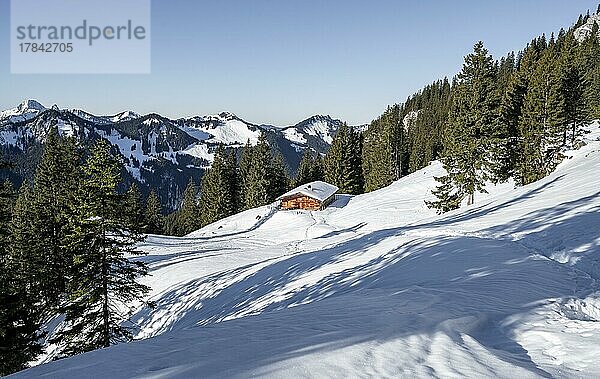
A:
x: 280, y: 61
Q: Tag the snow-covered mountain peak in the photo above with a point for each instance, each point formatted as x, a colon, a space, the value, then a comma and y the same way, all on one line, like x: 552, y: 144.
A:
x: 124, y: 116
x: 585, y: 30
x: 29, y: 105
x: 27, y: 110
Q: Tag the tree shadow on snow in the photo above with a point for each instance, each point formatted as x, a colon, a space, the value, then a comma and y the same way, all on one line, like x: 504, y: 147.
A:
x: 415, y: 286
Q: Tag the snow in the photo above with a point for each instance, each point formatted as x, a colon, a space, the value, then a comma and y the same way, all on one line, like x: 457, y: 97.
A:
x: 200, y: 150
x: 377, y: 285
x: 410, y: 118
x: 292, y: 134
x: 585, y: 30
x: 317, y: 190
x: 27, y: 110
x: 229, y: 130
x: 321, y: 129
x: 131, y: 149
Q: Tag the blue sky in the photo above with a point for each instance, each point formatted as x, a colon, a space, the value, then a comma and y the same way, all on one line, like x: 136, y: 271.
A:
x: 278, y: 62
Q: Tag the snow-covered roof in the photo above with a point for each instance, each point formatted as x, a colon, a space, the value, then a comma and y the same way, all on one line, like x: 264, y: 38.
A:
x: 317, y: 190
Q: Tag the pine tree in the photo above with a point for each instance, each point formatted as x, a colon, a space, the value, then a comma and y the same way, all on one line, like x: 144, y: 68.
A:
x: 245, y: 167
x: 304, y: 174
x: 378, y: 160
x: 55, y: 184
x: 153, y: 214
x: 104, y: 288
x: 310, y: 169
x: 264, y: 175
x: 343, y: 162
x: 542, y: 122
x: 279, y: 180
x: 20, y: 313
x: 573, y: 88
x: 472, y: 127
x: 218, y: 196
x: 591, y: 67
x: 317, y: 171
x: 189, y: 218
x: 132, y: 208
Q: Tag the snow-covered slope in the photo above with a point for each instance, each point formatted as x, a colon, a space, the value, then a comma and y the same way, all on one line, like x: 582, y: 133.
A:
x: 378, y: 286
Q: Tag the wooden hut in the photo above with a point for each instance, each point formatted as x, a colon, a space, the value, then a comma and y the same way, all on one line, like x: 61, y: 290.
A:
x: 312, y: 196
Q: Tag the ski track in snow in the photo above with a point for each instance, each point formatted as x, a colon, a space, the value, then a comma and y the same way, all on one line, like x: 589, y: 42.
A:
x: 377, y: 285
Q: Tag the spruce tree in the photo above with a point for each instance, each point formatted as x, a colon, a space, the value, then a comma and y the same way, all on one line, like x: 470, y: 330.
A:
x: 256, y: 190
x: 153, y: 214
x: 279, y: 180
x: 541, y: 124
x: 304, y: 174
x: 218, y: 194
x: 573, y: 88
x: 470, y: 137
x: 310, y: 169
x: 591, y: 67
x: 317, y: 171
x: 55, y: 184
x: 104, y: 288
x: 132, y: 212
x: 20, y: 311
x: 188, y: 217
x: 343, y: 162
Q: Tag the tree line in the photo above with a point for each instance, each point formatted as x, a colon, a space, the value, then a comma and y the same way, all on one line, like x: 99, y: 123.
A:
x: 496, y: 120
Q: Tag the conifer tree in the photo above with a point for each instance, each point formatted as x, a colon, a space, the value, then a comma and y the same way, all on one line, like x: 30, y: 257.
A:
x: 310, y: 169
x: 189, y: 213
x: 304, y: 173
x: 132, y: 212
x: 573, y: 88
x: 591, y: 67
x: 104, y: 286
x: 279, y: 180
x: 470, y: 136
x: 317, y: 170
x: 218, y: 195
x: 264, y: 175
x: 245, y: 167
x: 542, y: 121
x: 153, y: 215
x: 55, y: 185
x: 256, y: 186
x: 343, y: 162
x: 20, y: 311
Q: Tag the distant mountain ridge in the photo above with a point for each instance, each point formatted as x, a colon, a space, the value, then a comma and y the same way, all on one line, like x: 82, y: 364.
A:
x: 158, y: 152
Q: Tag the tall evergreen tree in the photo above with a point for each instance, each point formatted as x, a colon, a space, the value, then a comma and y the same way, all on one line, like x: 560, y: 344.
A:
x: 153, y: 214
x: 20, y: 312
x: 343, y: 162
x: 188, y: 216
x: 573, y: 88
x: 132, y: 212
x: 542, y: 121
x: 219, y: 192
x: 104, y: 287
x: 310, y: 169
x: 55, y: 184
x: 472, y: 127
x: 264, y: 175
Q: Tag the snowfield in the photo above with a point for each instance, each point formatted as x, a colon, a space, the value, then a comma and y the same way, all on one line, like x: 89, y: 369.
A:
x: 377, y: 285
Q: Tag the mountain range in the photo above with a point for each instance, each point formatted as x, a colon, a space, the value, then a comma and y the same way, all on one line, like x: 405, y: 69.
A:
x: 159, y: 153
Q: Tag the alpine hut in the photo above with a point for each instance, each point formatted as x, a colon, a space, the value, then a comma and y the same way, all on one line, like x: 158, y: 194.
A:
x: 312, y: 196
